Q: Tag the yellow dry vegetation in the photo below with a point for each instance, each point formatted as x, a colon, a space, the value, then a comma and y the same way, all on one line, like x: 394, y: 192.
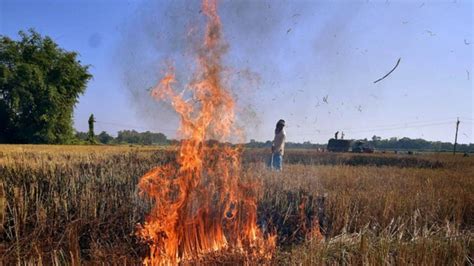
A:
x: 80, y: 204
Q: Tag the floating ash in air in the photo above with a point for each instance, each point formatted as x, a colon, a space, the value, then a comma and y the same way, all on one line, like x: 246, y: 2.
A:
x: 204, y: 205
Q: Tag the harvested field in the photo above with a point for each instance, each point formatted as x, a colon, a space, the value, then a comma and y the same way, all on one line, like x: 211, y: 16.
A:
x: 68, y: 204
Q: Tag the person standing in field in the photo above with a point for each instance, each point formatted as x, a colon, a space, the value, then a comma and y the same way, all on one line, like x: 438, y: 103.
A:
x: 278, y: 146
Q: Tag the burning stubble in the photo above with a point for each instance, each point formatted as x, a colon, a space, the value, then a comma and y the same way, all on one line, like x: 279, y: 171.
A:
x: 203, y: 204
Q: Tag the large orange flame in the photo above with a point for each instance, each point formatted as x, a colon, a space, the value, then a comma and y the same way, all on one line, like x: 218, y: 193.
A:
x: 202, y: 204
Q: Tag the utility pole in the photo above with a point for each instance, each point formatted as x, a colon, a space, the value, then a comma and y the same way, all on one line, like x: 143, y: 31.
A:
x: 456, y: 137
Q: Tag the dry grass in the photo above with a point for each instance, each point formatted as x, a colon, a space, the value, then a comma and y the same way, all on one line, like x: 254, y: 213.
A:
x: 65, y: 204
x: 380, y: 215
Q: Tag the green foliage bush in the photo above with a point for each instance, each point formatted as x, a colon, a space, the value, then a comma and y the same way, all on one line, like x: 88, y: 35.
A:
x: 39, y: 86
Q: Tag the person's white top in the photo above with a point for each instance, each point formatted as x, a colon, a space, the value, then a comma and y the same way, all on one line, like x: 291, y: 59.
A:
x: 279, y: 142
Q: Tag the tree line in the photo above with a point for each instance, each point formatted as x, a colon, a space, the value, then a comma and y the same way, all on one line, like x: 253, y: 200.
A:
x: 124, y: 137
x: 390, y: 144
x: 415, y: 144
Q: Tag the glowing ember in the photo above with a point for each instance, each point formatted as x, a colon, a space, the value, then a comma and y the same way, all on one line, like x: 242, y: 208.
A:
x: 203, y: 206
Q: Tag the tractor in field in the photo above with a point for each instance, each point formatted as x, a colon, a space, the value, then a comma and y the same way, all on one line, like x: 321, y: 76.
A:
x: 361, y: 147
x: 339, y: 145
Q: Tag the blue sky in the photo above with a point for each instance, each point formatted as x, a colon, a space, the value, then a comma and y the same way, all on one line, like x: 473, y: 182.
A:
x: 284, y: 59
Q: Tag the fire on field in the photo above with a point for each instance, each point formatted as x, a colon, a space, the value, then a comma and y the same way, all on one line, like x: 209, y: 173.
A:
x: 203, y: 206
x: 80, y: 204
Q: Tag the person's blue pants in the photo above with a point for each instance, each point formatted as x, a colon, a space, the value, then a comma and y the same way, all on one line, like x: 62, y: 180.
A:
x: 277, y: 162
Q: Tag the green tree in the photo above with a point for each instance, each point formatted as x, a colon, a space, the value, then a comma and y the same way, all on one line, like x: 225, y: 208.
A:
x: 105, y: 138
x: 81, y: 137
x: 376, y: 138
x: 39, y: 86
x: 144, y: 138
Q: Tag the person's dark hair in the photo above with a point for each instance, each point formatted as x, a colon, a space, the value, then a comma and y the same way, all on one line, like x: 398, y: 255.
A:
x: 279, y: 126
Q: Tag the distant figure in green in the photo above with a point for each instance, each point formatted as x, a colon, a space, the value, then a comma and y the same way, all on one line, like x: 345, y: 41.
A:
x: 91, y: 134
